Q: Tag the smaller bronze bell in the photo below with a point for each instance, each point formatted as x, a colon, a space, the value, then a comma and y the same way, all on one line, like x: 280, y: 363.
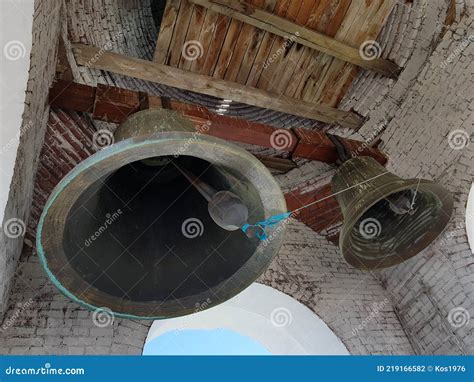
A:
x: 387, y: 219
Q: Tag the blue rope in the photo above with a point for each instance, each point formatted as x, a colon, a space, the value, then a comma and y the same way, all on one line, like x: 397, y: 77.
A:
x: 272, y: 220
x: 262, y: 225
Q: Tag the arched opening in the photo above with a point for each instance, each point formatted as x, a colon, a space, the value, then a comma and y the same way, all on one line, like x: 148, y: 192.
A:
x: 258, y: 321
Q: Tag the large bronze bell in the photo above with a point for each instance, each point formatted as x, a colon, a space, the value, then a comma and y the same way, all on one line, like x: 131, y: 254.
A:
x: 126, y: 231
x: 387, y: 219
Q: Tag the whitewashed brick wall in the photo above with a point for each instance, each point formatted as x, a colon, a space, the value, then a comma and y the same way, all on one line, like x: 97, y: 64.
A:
x: 46, y: 29
x: 440, y: 280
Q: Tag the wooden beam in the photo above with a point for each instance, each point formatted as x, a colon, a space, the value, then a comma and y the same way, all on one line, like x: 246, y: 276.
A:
x: 113, y: 104
x: 63, y: 68
x: 260, y: 18
x: 150, y: 71
x: 280, y: 164
x: 72, y: 96
x: 316, y: 145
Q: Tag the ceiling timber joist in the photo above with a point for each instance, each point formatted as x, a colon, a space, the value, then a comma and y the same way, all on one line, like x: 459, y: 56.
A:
x: 96, y: 58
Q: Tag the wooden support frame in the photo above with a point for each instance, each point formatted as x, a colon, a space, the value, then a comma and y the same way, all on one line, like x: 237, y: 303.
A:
x: 113, y: 104
x: 262, y: 19
x: 93, y: 57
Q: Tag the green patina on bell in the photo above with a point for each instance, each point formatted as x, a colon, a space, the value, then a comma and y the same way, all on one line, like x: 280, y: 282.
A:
x: 126, y: 231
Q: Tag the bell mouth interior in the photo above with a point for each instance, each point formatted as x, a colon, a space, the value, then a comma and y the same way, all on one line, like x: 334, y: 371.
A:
x: 144, y: 233
x: 382, y: 237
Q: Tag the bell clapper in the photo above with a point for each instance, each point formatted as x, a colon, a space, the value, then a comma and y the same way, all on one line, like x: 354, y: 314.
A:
x: 225, y: 208
x: 412, y: 207
x: 204, y: 189
x: 400, y: 203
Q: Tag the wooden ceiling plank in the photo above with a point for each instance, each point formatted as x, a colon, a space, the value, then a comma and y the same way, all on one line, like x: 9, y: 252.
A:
x: 289, y: 64
x: 168, y: 24
x: 179, y: 36
x: 261, y: 58
x: 266, y: 77
x: 227, y: 50
x: 195, y: 48
x: 217, y: 41
x: 319, y: 23
x: 337, y: 18
x: 265, y: 47
x: 342, y: 85
x: 245, y: 12
x: 323, y: 64
x: 307, y: 67
x: 254, y: 45
x: 304, y: 59
x: 248, y: 33
x: 356, y: 14
x: 150, y: 71
x: 205, y: 38
x: 250, y: 56
x: 341, y: 75
x: 241, y: 46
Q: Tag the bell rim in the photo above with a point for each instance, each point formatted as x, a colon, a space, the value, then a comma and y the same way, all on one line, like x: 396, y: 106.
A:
x: 274, y: 201
x: 389, y: 261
